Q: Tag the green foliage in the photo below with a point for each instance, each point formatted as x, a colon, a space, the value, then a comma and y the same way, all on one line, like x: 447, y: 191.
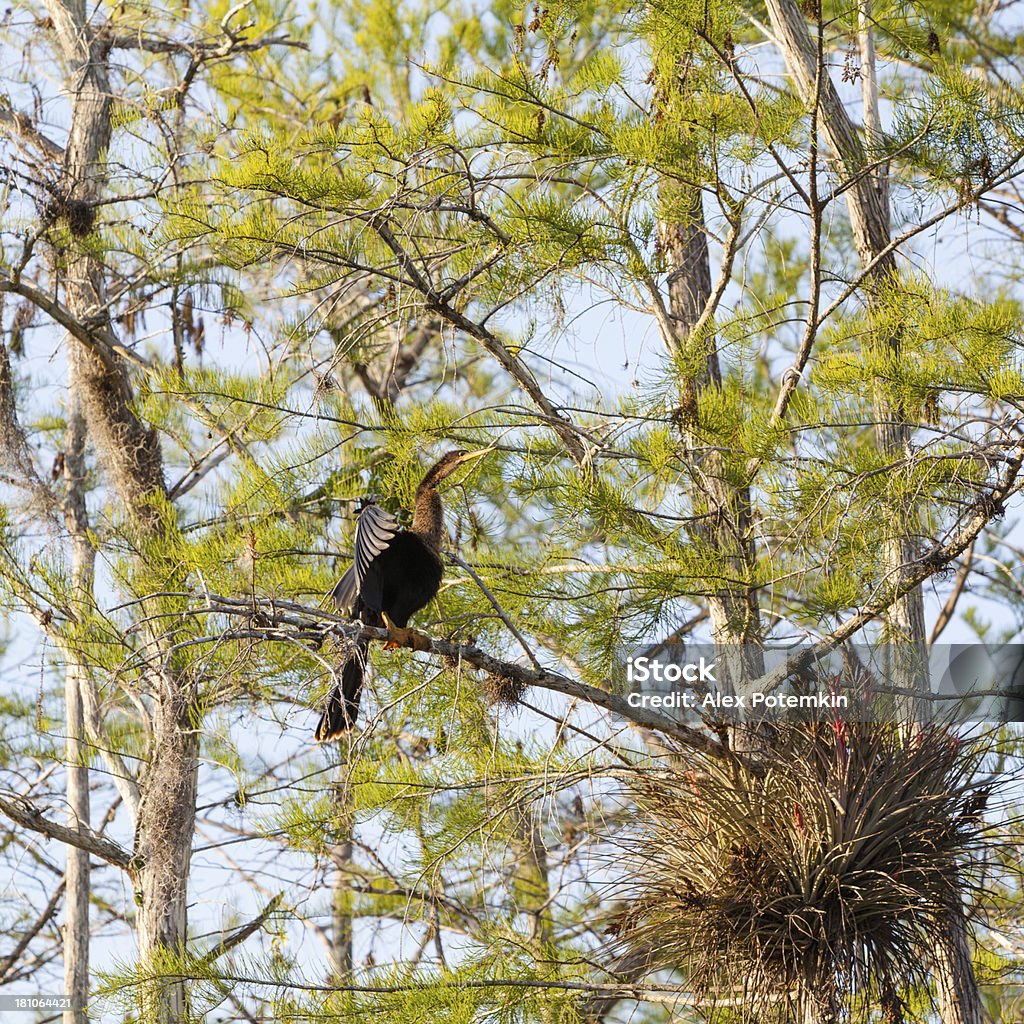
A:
x: 361, y: 251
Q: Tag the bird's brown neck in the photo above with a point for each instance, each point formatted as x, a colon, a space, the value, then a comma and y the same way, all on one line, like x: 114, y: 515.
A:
x: 428, y: 516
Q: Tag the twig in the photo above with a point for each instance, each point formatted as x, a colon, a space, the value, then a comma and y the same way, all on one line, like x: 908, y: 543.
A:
x: 239, y: 935
x: 37, y: 926
x: 497, y: 607
x: 951, y: 602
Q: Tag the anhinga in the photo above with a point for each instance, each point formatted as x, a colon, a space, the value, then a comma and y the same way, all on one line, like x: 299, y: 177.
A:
x: 393, y: 575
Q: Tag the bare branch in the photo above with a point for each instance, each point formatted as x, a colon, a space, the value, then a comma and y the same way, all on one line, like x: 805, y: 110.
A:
x: 199, y: 51
x: 948, y: 609
x: 99, y: 338
x: 15, y: 123
x: 33, y: 930
x: 306, y: 625
x: 20, y: 811
x: 239, y: 935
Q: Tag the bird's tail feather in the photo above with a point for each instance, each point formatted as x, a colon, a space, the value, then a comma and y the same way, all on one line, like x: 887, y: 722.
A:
x: 343, y: 704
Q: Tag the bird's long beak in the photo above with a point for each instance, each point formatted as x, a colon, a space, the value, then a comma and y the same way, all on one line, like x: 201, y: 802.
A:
x: 469, y: 456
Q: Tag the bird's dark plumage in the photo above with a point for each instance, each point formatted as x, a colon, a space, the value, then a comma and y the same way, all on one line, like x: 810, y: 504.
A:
x: 394, y: 573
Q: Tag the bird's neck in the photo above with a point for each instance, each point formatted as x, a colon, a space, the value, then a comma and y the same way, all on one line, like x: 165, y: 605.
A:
x: 428, y: 516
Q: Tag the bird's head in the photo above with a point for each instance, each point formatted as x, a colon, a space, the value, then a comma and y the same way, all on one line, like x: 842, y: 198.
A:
x: 448, y: 463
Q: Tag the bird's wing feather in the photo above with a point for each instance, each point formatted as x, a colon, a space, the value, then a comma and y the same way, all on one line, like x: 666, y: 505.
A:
x: 374, y: 532
x: 345, y: 592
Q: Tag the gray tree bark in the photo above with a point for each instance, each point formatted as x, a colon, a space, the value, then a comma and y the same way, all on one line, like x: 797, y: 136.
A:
x: 88, y: 138
x: 867, y: 203
x: 342, y: 962
x: 76, y: 919
x: 163, y: 846
x: 959, y: 1001
x: 131, y: 456
x: 723, y: 508
x: 734, y: 612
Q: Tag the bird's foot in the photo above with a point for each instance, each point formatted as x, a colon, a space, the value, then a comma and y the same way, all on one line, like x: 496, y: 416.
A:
x: 397, y: 637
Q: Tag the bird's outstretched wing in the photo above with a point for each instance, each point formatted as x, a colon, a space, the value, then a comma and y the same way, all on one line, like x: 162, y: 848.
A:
x: 374, y: 532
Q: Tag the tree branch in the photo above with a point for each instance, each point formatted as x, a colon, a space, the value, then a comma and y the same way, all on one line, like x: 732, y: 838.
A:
x: 13, y: 122
x: 912, y: 575
x: 199, y: 51
x: 306, y: 624
x: 20, y: 811
x: 239, y: 935
x: 514, y: 366
x: 946, y: 615
x: 99, y: 339
x: 34, y: 929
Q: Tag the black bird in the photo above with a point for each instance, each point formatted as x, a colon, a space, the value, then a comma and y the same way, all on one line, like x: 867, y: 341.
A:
x: 393, y: 575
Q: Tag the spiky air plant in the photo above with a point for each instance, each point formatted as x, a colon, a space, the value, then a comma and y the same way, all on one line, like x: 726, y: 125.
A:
x: 808, y: 883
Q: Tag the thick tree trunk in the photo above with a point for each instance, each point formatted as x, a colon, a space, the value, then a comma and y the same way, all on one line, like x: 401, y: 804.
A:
x: 723, y: 509
x: 867, y: 201
x: 815, y: 999
x: 131, y: 456
x: 89, y: 135
x: 342, y: 961
x: 163, y: 847
x: 76, y: 900
x: 959, y: 1001
x: 869, y: 215
x: 76, y: 920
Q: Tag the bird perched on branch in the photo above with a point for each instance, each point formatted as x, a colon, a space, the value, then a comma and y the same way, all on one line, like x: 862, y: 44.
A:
x: 393, y: 575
